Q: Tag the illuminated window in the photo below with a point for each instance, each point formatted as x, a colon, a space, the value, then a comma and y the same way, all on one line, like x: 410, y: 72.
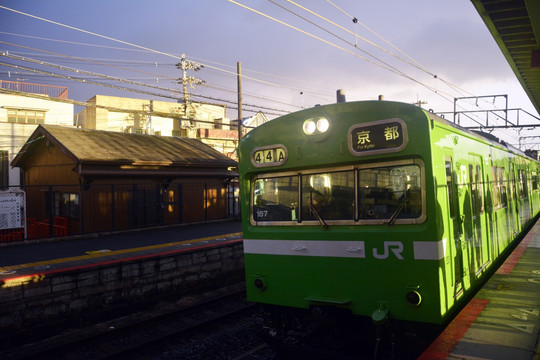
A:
x: 62, y: 204
x: 69, y: 205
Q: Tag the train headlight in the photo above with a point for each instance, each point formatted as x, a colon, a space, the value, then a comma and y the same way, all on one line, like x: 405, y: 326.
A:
x: 323, y: 125
x: 316, y: 126
x: 260, y: 283
x: 414, y: 298
x: 309, y: 127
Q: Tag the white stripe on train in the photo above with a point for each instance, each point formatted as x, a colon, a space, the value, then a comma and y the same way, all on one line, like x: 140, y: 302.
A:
x: 423, y: 250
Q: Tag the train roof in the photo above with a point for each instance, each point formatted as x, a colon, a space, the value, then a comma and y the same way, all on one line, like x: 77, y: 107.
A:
x: 490, y: 138
x: 483, y: 136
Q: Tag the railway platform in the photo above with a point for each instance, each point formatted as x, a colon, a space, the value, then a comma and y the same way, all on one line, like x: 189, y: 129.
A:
x: 71, y: 253
x: 503, y: 320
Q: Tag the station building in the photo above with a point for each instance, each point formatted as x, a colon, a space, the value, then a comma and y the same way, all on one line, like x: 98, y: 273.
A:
x: 106, y: 181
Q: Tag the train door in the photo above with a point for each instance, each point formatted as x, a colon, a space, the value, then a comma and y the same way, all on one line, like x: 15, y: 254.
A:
x: 465, y: 202
x: 455, y: 223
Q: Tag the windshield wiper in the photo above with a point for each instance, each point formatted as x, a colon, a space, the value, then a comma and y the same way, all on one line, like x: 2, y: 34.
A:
x: 323, y: 224
x: 394, y: 216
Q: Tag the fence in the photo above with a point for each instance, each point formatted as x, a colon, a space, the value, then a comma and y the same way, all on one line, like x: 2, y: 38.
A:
x: 59, y: 210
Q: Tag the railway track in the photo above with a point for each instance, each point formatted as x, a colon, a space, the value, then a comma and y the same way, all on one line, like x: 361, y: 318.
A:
x: 133, y: 335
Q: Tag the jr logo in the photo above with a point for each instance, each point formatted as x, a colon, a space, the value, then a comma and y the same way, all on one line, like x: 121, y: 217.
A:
x: 395, y: 246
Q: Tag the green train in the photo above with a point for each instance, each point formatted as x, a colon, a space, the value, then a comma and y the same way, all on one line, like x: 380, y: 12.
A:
x: 379, y: 209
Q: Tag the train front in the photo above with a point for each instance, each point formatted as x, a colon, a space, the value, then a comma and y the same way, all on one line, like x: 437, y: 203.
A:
x: 335, y: 212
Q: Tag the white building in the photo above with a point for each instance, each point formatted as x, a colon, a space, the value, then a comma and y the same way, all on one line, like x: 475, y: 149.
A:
x: 20, y: 115
x: 206, y: 122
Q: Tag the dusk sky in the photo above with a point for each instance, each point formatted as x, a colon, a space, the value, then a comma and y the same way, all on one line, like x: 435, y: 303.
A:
x: 284, y: 69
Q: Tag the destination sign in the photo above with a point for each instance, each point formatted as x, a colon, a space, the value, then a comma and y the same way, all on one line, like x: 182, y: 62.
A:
x: 272, y: 155
x: 378, y: 137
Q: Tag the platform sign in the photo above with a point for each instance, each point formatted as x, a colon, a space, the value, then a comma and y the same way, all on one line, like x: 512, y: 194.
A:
x: 11, y: 209
x: 378, y: 137
x: 271, y: 155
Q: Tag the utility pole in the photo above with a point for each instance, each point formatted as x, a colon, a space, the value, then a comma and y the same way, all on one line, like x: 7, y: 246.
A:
x: 239, y: 79
x: 149, y: 123
x: 186, y: 65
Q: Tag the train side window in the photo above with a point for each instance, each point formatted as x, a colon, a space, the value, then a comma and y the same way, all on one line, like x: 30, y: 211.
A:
x: 450, y: 185
x: 503, y: 186
x: 479, y: 189
x: 523, y: 189
x: 495, y: 184
x: 474, y: 191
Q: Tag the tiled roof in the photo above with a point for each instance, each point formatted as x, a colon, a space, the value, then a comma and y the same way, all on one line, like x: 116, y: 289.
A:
x: 95, y: 146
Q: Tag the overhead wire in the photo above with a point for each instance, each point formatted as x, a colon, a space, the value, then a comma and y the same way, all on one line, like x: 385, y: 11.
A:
x: 454, y: 87
x: 338, y: 47
x: 415, y: 63
x: 79, y: 79
x: 40, y: 62
x: 159, y: 76
x: 170, y: 55
x: 129, y: 44
x: 205, y: 62
x: 376, y: 34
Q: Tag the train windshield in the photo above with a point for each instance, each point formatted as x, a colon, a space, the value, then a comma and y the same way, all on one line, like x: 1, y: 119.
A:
x: 390, y: 192
x: 377, y: 194
x: 328, y: 196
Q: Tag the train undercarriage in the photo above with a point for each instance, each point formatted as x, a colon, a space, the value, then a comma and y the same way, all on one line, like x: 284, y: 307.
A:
x: 327, y: 332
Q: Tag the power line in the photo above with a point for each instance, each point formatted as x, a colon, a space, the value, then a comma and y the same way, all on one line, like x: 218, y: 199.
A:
x: 386, y: 66
x: 79, y: 71
x: 399, y: 72
x: 355, y: 20
x: 418, y: 65
x: 343, y: 49
x: 211, y: 67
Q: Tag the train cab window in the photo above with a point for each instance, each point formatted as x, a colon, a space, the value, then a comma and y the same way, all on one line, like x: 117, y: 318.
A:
x: 328, y: 196
x: 363, y: 195
x: 390, y: 193
x: 275, y: 199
